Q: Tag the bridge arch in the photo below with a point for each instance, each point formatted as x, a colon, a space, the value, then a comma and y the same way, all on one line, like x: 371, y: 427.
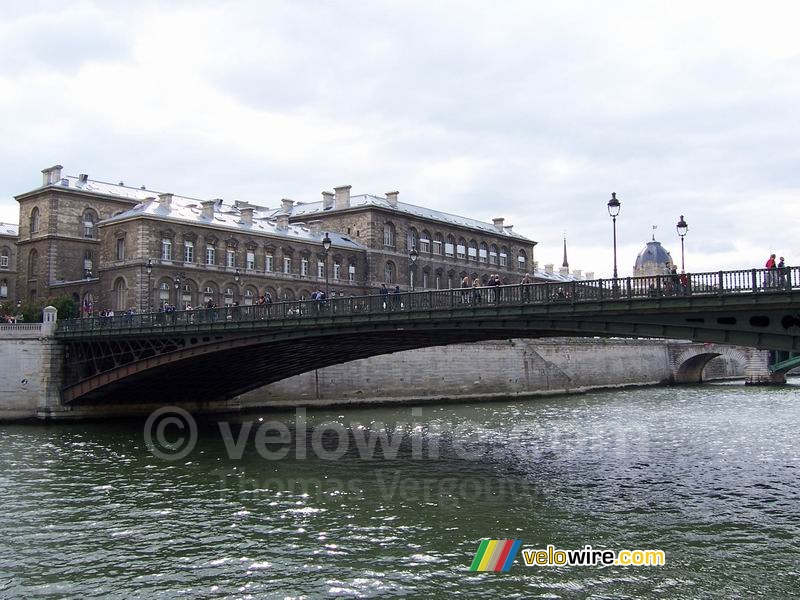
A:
x: 691, y: 363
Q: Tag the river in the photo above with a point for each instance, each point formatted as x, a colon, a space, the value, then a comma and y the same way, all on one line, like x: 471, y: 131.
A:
x: 293, y: 505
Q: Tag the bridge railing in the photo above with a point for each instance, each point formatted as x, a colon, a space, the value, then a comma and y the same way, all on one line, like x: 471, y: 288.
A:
x: 750, y: 281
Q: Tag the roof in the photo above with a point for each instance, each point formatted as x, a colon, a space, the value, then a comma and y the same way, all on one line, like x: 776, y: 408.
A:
x: 123, y: 192
x: 11, y: 229
x: 654, y: 254
x: 368, y: 200
x: 228, y: 217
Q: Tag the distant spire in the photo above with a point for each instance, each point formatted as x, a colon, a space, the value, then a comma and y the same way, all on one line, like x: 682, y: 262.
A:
x: 654, y: 232
x: 565, y: 264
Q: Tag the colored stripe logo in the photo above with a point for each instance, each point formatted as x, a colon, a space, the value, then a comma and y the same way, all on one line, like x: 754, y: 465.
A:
x: 495, y: 555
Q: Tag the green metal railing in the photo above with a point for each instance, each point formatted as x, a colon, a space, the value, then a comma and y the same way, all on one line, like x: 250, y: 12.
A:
x: 656, y: 288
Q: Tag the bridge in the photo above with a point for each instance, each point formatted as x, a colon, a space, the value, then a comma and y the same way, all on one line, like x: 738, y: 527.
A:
x: 214, y: 354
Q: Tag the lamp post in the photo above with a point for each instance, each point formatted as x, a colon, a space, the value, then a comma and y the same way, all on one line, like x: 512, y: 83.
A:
x: 326, y: 246
x: 613, y: 211
x: 682, y: 228
x: 178, y: 279
x: 149, y: 268
x: 413, y: 256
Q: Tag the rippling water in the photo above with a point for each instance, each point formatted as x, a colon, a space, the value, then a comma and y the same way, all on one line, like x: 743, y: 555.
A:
x: 709, y: 474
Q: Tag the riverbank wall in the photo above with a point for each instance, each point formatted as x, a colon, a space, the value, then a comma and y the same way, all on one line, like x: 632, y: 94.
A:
x: 486, y: 370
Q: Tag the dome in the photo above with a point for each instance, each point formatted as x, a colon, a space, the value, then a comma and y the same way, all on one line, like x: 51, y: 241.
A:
x: 652, y: 260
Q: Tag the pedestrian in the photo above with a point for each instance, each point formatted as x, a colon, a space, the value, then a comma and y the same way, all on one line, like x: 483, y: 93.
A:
x: 384, y: 296
x: 781, y: 272
x: 770, y: 279
x: 476, y: 291
x: 396, y: 305
x: 466, y: 283
x: 526, y: 292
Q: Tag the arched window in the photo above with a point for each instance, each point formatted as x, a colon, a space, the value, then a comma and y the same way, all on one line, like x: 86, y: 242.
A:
x: 288, y: 294
x: 483, y: 253
x: 425, y: 242
x: 5, y: 258
x: 209, y: 293
x: 250, y: 294
x: 438, y: 244
x: 4, y: 288
x: 389, y: 272
x: 503, y: 256
x: 426, y: 278
x: 164, y: 291
x: 88, y: 222
x: 522, y: 261
x: 351, y: 271
x: 33, y: 264
x: 188, y: 290
x: 388, y: 235
x: 493, y: 254
x: 461, y: 248
x: 34, y: 223
x: 120, y: 294
x: 473, y: 250
x: 439, y: 275
x: 450, y: 246
x: 412, y: 239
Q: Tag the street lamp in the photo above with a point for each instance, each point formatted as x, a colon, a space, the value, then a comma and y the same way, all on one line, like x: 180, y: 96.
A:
x: 413, y: 256
x: 682, y: 228
x: 149, y: 268
x: 178, y: 278
x: 613, y: 211
x: 326, y: 246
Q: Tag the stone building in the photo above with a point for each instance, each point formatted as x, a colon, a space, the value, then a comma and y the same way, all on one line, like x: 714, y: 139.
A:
x: 93, y: 240
x: 9, y: 235
x: 654, y: 259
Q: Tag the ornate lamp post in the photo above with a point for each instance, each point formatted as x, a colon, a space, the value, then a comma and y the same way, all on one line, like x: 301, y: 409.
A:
x: 178, y: 279
x: 613, y: 211
x: 326, y: 246
x: 237, y: 277
x: 413, y: 256
x: 682, y: 228
x: 149, y: 268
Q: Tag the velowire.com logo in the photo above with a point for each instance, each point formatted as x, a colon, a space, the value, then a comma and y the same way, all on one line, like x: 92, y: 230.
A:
x: 495, y: 555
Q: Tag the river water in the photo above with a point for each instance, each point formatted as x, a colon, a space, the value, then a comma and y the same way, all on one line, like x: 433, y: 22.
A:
x: 710, y: 475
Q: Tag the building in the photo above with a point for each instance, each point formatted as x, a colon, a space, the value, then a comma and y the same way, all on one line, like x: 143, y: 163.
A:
x: 654, y: 259
x: 9, y: 234
x: 115, y: 246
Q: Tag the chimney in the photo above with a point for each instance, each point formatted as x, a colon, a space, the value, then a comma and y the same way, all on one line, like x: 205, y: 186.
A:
x: 327, y: 200
x: 208, y: 208
x: 576, y: 273
x: 315, y: 227
x: 83, y: 178
x: 246, y: 213
x: 498, y: 223
x: 286, y: 205
x: 589, y: 275
x: 391, y: 197
x: 283, y: 222
x: 563, y: 270
x: 342, y: 196
x: 165, y: 201
x: 548, y: 268
x: 51, y: 174
x: 508, y: 228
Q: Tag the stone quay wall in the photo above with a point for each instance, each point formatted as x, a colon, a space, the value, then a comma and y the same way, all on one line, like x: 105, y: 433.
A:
x: 501, y: 369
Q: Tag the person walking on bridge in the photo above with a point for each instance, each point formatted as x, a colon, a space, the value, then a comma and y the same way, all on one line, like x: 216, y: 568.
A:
x: 770, y: 280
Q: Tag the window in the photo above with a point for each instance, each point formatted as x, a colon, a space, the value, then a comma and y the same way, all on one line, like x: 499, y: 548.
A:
x: 33, y: 263
x: 493, y: 255
x: 287, y: 264
x: 461, y: 250
x: 320, y: 269
x: 228, y: 296
x: 249, y: 296
x: 438, y: 280
x: 166, y: 249
x: 473, y: 250
x: 251, y: 261
x: 230, y: 258
x: 34, y: 223
x: 120, y: 249
x: 483, y: 253
x: 522, y: 260
x: 269, y: 265
x: 425, y: 280
x: 163, y: 293
x: 389, y: 272
x: 450, y: 246
x: 437, y: 244
x: 337, y: 270
x: 188, y: 251
x: 5, y: 258
x: 504, y: 257
x: 388, y: 235
x: 412, y: 239
x: 4, y: 288
x: 351, y: 272
x: 211, y: 255
x: 304, y: 266
x: 425, y: 242
x: 89, y: 220
x: 87, y: 260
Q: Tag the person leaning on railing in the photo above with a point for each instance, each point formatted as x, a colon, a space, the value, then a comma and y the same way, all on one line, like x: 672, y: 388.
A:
x: 526, y: 292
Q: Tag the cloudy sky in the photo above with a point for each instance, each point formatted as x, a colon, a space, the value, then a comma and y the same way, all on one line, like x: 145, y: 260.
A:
x: 534, y: 111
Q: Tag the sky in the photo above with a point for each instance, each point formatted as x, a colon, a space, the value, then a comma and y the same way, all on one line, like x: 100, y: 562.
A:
x: 531, y: 111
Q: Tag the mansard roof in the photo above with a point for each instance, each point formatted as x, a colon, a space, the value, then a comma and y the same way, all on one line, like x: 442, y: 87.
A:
x: 315, y: 209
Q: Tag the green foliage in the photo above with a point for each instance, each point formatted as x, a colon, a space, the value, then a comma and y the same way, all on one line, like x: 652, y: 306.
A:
x: 31, y: 312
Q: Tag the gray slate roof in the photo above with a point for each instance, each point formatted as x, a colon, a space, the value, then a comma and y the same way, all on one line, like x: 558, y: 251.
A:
x: 11, y: 229
x: 365, y: 200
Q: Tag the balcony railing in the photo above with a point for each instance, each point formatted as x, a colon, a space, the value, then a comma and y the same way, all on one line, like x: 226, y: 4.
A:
x: 656, y: 288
